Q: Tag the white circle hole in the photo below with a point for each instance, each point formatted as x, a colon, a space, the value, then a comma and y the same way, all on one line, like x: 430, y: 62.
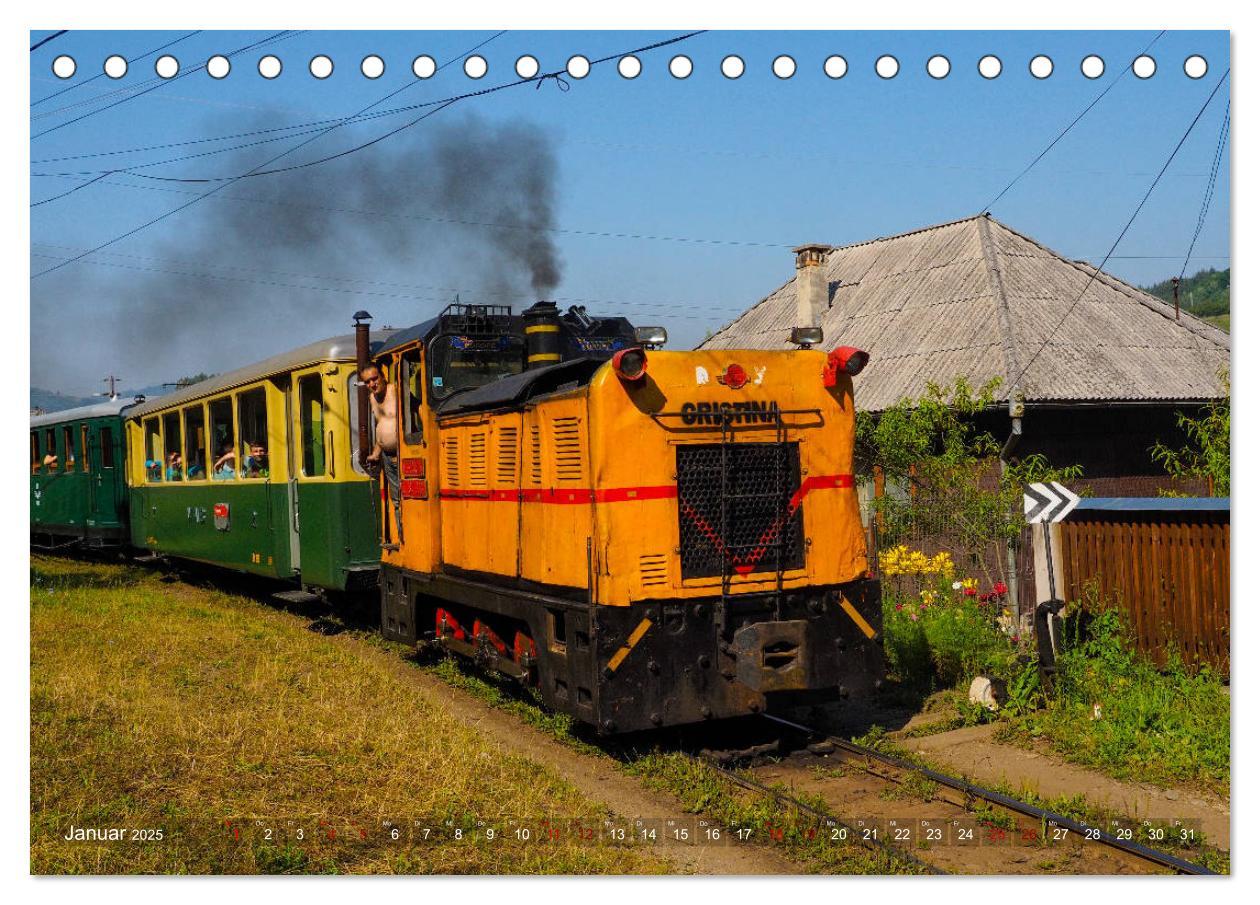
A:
x: 372, y: 66
x: 784, y: 66
x: 680, y: 66
x: 579, y: 67
x: 166, y: 66
x: 527, y: 67
x: 732, y: 66
x: 64, y: 66
x: 835, y: 66
x: 269, y: 66
x: 475, y: 66
x: 1144, y: 66
x: 218, y: 66
x: 423, y: 66
x: 115, y: 66
x: 1093, y: 67
x: 1195, y: 66
x: 887, y: 66
x: 321, y: 66
x: 938, y: 66
x: 629, y: 67
x: 990, y: 66
x: 1041, y: 66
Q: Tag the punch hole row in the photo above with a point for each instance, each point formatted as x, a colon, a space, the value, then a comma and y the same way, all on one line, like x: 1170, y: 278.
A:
x: 783, y: 66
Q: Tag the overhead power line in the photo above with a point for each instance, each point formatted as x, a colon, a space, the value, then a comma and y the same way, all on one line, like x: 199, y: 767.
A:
x: 1097, y: 270
x: 56, y: 34
x: 1209, y: 190
x: 1067, y: 129
x: 261, y: 168
x: 274, y: 38
x: 101, y: 74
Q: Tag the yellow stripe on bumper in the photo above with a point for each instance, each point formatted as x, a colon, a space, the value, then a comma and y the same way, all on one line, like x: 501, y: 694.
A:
x: 856, y: 617
x: 624, y: 651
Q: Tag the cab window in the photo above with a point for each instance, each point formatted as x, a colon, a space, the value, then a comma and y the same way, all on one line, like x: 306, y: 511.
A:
x: 67, y: 437
x: 311, y: 401
x: 195, y: 443
x: 222, y: 440
x: 465, y: 362
x: 152, y: 451
x: 252, y: 417
x: 413, y: 396
x: 84, y: 449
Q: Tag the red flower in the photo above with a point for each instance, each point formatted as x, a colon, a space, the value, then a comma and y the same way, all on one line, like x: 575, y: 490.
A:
x: 999, y: 588
x: 969, y: 592
x: 898, y: 606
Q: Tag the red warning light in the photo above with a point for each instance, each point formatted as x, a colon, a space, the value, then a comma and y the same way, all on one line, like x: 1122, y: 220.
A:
x: 734, y: 377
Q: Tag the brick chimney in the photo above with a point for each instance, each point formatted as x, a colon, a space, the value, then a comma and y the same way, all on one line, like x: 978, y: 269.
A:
x: 811, y: 284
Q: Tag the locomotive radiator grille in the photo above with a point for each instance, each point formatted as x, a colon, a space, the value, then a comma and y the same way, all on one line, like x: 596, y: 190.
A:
x: 735, y: 509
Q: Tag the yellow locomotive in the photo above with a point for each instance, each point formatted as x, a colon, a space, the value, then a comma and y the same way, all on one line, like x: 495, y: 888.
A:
x: 650, y: 537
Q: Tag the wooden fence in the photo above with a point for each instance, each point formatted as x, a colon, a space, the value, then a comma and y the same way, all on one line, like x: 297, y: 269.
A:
x: 1165, y: 561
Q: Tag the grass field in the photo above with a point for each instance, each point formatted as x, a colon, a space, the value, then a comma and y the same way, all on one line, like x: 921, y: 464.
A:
x: 158, y: 704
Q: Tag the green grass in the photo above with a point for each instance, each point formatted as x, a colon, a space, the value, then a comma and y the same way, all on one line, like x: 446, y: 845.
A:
x: 158, y: 704
x: 1116, y: 711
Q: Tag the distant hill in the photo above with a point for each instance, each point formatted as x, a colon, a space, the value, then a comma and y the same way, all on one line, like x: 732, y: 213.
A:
x: 1205, y: 295
x: 52, y: 401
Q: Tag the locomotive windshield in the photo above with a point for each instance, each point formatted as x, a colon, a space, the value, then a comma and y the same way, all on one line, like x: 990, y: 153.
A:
x: 461, y: 362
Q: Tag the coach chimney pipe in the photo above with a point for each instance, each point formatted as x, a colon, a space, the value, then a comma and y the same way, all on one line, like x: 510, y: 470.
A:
x: 362, y: 358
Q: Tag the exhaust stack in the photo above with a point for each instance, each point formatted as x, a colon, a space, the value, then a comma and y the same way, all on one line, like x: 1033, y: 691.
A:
x: 362, y: 358
x: 542, y: 335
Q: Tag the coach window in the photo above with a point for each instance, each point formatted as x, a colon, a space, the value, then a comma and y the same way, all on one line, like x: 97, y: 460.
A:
x: 352, y: 395
x: 67, y: 438
x: 84, y: 449
x: 222, y: 440
x: 152, y: 451
x: 195, y: 443
x: 107, y: 447
x: 254, y: 456
x: 172, y: 459
x: 311, y: 400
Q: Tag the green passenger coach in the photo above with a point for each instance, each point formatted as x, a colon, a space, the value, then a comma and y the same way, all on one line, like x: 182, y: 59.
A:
x: 257, y: 470
x: 78, y: 477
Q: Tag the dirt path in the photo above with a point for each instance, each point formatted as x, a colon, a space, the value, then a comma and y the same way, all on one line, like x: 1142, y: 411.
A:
x: 972, y: 752
x: 597, y: 778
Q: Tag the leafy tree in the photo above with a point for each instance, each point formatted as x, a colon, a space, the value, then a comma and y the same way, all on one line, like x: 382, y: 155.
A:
x: 1206, y: 455
x: 1204, y: 294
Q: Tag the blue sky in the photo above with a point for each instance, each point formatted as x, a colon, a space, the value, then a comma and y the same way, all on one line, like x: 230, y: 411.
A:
x: 741, y: 169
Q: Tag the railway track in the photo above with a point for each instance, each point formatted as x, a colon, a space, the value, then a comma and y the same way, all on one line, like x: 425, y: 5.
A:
x: 893, y: 769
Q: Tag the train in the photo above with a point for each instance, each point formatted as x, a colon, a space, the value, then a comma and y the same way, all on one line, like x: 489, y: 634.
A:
x: 646, y: 537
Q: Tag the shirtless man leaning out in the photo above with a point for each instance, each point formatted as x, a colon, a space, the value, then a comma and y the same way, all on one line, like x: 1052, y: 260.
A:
x: 384, y: 452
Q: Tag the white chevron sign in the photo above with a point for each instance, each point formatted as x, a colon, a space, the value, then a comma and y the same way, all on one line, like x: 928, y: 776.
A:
x: 1049, y: 502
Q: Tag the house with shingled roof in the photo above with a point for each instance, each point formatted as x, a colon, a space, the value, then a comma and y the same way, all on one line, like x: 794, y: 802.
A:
x: 1091, y: 370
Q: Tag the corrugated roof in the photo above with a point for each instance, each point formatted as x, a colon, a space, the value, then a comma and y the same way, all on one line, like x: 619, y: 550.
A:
x: 976, y: 298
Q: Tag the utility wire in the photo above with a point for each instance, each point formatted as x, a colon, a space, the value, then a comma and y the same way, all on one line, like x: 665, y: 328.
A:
x: 1068, y: 128
x: 71, y: 192
x: 1097, y: 270
x: 221, y: 184
x: 203, y: 196
x: 1209, y: 190
x: 101, y: 74
x: 56, y: 34
x: 275, y: 38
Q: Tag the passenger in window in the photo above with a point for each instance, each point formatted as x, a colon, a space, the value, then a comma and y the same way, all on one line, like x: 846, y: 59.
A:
x: 174, y: 467
x: 197, y: 470
x: 224, y: 467
x: 50, y: 460
x: 256, y: 461
x: 384, y: 401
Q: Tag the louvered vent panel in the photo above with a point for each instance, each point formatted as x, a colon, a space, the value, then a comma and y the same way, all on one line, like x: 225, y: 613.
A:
x: 567, y: 438
x: 653, y: 570
x: 451, y: 447
x: 535, y: 474
x: 505, y: 464
x: 477, y: 476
